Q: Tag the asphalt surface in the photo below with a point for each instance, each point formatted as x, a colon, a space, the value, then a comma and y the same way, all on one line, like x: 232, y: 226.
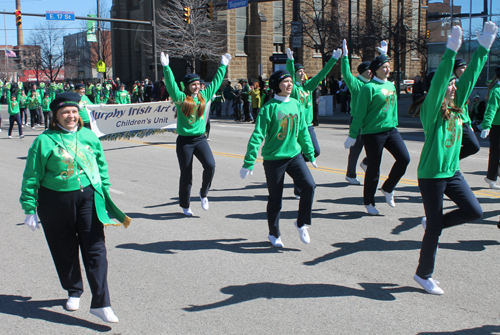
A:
x: 216, y: 273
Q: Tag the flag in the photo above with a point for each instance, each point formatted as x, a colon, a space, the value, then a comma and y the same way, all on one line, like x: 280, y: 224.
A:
x: 10, y: 53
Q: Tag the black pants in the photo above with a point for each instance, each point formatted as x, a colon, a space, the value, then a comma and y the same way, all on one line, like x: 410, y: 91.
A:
x: 187, y: 147
x: 246, y: 110
x: 469, y: 209
x: 354, y: 153
x: 70, y: 222
x: 374, y: 145
x: 315, y: 115
x: 207, y: 126
x: 47, y: 118
x: 15, y: 118
x: 33, y: 117
x: 494, y: 153
x: 470, y: 145
x: 317, y: 152
x: 255, y: 112
x: 237, y: 111
x: 296, y: 168
x: 24, y: 115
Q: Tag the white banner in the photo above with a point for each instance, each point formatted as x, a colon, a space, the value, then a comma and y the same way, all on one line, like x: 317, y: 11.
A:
x: 112, y: 119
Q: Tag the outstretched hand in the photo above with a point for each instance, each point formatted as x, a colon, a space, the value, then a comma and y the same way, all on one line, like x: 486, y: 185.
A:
x: 488, y: 36
x: 225, y: 59
x: 383, y: 48
x: 289, y: 53
x: 344, y: 48
x: 164, y: 59
x: 455, y: 38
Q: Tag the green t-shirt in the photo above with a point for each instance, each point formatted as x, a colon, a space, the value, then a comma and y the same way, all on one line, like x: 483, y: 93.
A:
x: 492, y: 113
x: 282, y: 126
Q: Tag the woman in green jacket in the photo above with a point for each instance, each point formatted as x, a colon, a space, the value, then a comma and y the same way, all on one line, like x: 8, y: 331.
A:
x: 66, y: 182
x: 491, y: 127
x: 438, y: 168
x: 14, y: 114
x: 191, y: 126
x: 282, y: 126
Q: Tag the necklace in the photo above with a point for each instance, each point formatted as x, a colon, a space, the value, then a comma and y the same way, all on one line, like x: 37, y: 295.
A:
x: 74, y: 159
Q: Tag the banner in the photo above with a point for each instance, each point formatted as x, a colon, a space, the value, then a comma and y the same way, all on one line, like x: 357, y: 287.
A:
x: 112, y: 122
x: 91, y: 29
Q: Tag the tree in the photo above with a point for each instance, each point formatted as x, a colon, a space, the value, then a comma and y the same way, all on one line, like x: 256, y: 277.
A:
x: 200, y: 39
x: 48, y: 37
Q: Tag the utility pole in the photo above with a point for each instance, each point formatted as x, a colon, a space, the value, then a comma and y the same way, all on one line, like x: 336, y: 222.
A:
x: 19, y: 27
x: 153, y: 31
x: 295, y: 18
x: 99, y: 55
x: 5, y: 52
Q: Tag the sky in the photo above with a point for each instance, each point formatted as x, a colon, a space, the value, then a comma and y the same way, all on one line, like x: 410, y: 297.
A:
x: 80, y: 8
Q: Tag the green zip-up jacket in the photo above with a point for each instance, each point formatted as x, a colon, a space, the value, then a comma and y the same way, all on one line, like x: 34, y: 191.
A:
x: 355, y: 84
x: 468, y: 80
x: 192, y: 125
x: 122, y: 97
x: 492, y: 113
x: 33, y: 102
x: 84, y: 101
x: 13, y: 105
x: 377, y: 110
x: 443, y: 139
x: 282, y: 126
x: 52, y: 161
x: 303, y: 92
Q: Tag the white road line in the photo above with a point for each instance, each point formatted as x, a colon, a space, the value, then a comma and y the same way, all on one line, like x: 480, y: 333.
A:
x: 115, y: 191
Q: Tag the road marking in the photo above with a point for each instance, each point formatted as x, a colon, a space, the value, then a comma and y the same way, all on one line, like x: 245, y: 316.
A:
x: 115, y: 191
x: 320, y: 168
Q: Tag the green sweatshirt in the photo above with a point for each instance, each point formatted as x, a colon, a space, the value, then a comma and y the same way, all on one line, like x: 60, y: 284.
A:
x: 492, y: 113
x: 13, y: 105
x: 51, y: 164
x: 122, y: 97
x: 33, y: 102
x: 303, y: 92
x: 468, y: 80
x: 84, y: 101
x: 23, y: 100
x: 282, y: 126
x: 377, y: 110
x: 192, y: 125
x: 46, y: 104
x: 353, y: 83
x: 441, y: 150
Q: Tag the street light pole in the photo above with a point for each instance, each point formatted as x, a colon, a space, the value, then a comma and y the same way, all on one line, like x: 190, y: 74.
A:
x: 153, y: 31
x: 99, y: 57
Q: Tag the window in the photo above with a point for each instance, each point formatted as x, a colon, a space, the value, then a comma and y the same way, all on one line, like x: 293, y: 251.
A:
x: 278, y: 26
x: 241, y: 28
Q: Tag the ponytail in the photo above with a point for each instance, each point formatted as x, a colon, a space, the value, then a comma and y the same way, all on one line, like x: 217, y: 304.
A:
x: 188, y: 105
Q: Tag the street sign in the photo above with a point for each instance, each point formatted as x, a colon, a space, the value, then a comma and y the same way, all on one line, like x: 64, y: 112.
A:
x: 58, y: 15
x: 101, y: 66
x: 232, y: 4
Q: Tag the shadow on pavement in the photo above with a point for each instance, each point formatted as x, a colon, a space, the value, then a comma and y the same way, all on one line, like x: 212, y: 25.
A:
x: 483, y: 330
x: 406, y: 224
x: 34, y: 309
x: 377, y: 244
x: 243, y: 293
x: 232, y: 245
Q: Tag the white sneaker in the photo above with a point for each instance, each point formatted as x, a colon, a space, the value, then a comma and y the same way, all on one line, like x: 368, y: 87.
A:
x: 371, y: 210
x: 187, y: 211
x: 424, y: 222
x: 73, y: 303
x: 275, y: 241
x: 493, y: 184
x: 389, y: 198
x: 363, y: 166
x: 204, y: 203
x: 303, y: 234
x: 32, y: 127
x: 10, y: 136
x: 352, y: 181
x: 106, y: 314
x: 22, y: 136
x: 429, y: 285
x: 297, y: 197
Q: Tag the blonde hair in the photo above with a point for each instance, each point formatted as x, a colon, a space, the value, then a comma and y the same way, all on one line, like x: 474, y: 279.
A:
x: 238, y: 86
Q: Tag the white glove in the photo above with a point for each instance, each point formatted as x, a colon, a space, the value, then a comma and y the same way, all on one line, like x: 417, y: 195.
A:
x: 349, y: 142
x: 344, y: 47
x: 225, y: 59
x: 337, y: 54
x: 244, y: 172
x: 488, y: 37
x: 289, y: 53
x: 314, y: 164
x: 485, y: 133
x: 455, y: 39
x: 32, y: 222
x: 383, y: 48
x: 164, y: 59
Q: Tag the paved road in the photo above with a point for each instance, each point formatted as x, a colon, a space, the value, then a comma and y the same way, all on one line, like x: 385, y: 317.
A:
x: 216, y: 273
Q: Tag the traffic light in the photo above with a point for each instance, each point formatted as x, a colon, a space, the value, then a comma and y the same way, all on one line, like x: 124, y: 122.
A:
x: 18, y: 17
x: 210, y: 10
x: 187, y: 15
x: 428, y: 34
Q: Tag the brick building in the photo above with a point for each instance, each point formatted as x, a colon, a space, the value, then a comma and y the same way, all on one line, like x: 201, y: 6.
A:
x: 256, y: 32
